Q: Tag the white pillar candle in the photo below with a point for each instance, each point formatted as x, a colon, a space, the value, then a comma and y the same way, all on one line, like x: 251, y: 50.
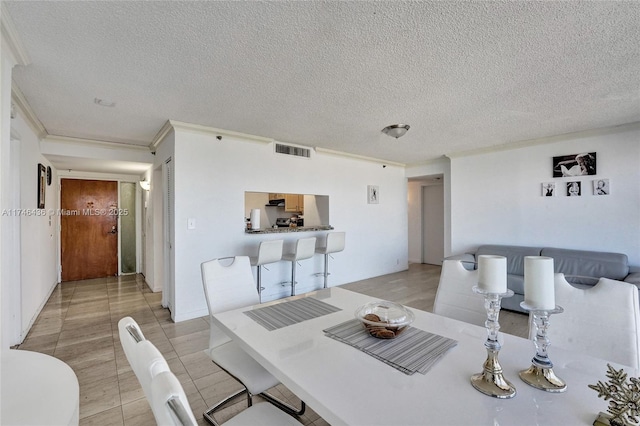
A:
x: 492, y: 273
x: 255, y: 218
x: 539, y: 290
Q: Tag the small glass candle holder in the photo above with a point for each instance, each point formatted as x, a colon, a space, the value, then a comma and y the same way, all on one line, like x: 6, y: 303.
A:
x: 540, y: 375
x: 491, y: 381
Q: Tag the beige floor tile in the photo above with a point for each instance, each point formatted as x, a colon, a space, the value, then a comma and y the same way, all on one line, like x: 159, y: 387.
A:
x: 84, y: 334
x: 184, y: 328
x: 138, y: 413
x: 81, y: 355
x: 130, y: 388
x: 198, y: 365
x: 191, y: 343
x: 99, y: 396
x: 111, y: 417
x: 95, y: 370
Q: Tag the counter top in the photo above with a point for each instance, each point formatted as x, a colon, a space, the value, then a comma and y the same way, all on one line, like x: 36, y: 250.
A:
x: 286, y: 230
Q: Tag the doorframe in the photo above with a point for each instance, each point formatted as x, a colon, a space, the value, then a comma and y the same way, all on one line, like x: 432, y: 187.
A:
x: 70, y: 174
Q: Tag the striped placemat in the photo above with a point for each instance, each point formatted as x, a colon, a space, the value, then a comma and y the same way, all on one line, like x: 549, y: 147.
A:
x: 413, y: 350
x: 281, y: 315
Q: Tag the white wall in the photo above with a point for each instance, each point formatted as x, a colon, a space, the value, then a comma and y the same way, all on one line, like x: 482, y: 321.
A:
x: 496, y: 197
x: 39, y: 234
x: 211, y: 178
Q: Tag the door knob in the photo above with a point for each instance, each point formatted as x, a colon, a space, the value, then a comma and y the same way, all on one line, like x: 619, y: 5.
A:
x: 113, y: 230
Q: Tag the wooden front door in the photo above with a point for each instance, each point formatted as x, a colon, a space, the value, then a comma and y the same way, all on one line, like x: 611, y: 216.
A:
x: 89, y: 229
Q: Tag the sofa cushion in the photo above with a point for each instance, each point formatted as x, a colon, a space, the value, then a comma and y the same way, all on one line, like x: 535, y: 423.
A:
x: 515, y: 283
x: 586, y: 267
x: 514, y: 254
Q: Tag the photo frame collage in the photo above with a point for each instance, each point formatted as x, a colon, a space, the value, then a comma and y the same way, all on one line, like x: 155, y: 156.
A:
x: 575, y: 167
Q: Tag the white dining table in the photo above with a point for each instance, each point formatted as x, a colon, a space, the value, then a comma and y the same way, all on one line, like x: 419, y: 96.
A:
x: 346, y: 386
x: 37, y: 389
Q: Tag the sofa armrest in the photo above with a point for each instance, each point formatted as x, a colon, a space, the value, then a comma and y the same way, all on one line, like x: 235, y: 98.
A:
x: 633, y: 278
x: 468, y: 260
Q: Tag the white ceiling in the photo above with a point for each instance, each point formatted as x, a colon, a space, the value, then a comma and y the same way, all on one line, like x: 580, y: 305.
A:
x: 464, y: 75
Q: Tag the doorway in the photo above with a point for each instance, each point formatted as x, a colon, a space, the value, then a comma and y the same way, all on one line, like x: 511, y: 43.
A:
x: 433, y: 224
x: 88, y: 229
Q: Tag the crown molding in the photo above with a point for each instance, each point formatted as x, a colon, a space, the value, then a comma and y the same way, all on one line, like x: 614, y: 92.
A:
x: 550, y: 139
x: 359, y: 157
x: 10, y: 35
x: 94, y: 143
x: 18, y: 99
x: 157, y: 139
x: 179, y: 125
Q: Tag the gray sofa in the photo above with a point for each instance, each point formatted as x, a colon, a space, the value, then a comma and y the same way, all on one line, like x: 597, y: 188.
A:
x: 581, y: 268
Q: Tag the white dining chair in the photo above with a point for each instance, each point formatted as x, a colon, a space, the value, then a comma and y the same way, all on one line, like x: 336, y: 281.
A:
x: 602, y: 321
x: 268, y: 252
x: 334, y: 243
x: 455, y: 297
x: 229, y: 286
x: 170, y: 407
x: 130, y: 335
x: 305, y: 249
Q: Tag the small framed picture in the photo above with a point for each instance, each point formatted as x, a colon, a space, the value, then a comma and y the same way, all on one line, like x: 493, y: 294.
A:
x: 601, y: 187
x: 42, y: 185
x: 548, y: 189
x: 574, y: 189
x: 373, y: 194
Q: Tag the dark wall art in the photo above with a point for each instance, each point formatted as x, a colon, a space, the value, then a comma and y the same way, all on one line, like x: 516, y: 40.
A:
x: 574, y: 165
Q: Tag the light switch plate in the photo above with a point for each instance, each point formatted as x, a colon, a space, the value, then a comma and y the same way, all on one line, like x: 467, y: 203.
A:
x: 191, y: 223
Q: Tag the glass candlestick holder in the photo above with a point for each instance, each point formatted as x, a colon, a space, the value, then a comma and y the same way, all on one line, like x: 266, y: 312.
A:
x: 491, y: 381
x: 540, y: 375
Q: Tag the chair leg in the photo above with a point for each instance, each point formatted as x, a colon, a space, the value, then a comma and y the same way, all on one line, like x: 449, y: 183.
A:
x: 287, y: 408
x: 326, y: 269
x: 208, y: 415
x: 259, y: 279
x: 293, y: 278
x: 284, y: 406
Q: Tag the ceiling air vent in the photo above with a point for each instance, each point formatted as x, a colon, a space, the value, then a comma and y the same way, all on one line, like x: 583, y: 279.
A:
x: 296, y: 151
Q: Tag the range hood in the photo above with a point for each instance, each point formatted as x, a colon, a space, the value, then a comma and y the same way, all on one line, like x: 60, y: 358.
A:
x: 275, y: 203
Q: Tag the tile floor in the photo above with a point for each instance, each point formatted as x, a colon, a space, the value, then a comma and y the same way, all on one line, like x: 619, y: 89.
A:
x: 79, y: 325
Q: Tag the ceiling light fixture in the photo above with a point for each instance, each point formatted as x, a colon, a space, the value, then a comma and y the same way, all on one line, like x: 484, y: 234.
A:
x: 396, y: 130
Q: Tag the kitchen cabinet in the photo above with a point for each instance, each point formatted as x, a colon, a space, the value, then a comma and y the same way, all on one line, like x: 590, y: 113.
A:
x: 273, y: 196
x: 294, y: 203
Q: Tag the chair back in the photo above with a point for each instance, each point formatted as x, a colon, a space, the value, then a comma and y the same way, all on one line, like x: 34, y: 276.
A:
x: 227, y: 287
x: 130, y: 335
x: 305, y: 248
x: 335, y: 242
x: 150, y: 363
x: 603, y: 320
x: 455, y: 297
x: 168, y: 401
x: 269, y: 251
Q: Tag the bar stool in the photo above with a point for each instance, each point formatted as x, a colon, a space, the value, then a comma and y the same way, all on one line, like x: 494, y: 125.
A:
x: 268, y: 252
x: 305, y: 249
x: 334, y: 244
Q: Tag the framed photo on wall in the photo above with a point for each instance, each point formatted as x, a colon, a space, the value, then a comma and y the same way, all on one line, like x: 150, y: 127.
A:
x: 574, y: 165
x: 373, y: 194
x: 548, y: 189
x: 42, y: 185
x: 601, y: 187
x: 574, y: 189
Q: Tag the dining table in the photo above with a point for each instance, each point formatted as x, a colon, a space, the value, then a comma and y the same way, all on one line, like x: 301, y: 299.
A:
x: 37, y: 389
x: 348, y: 386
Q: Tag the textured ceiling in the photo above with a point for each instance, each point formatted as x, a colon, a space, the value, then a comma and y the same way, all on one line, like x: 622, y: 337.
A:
x: 464, y: 75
